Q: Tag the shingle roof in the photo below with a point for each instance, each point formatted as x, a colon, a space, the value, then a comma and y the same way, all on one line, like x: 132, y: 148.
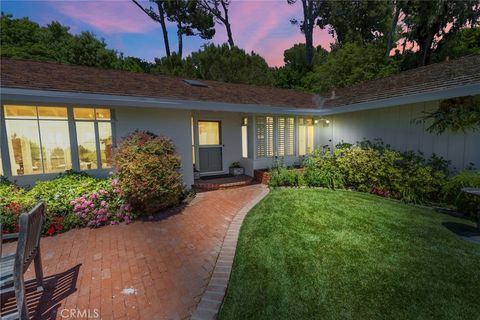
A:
x: 434, y: 77
x: 62, y: 77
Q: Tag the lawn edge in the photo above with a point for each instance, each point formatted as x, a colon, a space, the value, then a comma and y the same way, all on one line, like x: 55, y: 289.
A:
x: 212, y: 298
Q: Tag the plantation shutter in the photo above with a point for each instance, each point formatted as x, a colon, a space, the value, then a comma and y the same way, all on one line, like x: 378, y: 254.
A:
x: 285, y: 136
x: 260, y: 133
x: 269, y: 136
x: 264, y: 136
x: 280, y: 136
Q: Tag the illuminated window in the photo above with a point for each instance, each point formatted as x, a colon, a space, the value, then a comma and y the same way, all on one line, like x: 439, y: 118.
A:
x: 94, y: 137
x: 305, y: 136
x: 38, y: 139
x: 245, y: 138
x: 208, y: 133
x: 193, y: 142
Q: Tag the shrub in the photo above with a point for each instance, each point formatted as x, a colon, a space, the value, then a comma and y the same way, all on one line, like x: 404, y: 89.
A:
x: 284, y: 177
x: 13, y: 201
x: 321, y: 170
x: 466, y: 203
x: 102, y: 207
x: 58, y: 193
x: 148, y: 171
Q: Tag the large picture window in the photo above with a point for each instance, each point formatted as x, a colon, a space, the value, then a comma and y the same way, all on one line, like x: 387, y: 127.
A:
x: 38, y: 139
x: 285, y: 136
x: 94, y: 137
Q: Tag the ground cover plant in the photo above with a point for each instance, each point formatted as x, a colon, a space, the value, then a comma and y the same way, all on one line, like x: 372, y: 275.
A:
x: 324, y: 254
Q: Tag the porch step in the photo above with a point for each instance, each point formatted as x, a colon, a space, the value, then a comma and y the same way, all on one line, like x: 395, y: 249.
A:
x: 209, y: 184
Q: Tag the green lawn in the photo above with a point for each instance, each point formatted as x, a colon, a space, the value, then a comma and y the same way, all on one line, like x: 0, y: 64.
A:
x: 322, y: 254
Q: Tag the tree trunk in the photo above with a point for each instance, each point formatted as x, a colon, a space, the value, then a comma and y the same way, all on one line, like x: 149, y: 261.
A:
x: 180, y: 39
x: 308, y: 30
x: 228, y: 27
x: 164, y: 28
x: 392, y: 30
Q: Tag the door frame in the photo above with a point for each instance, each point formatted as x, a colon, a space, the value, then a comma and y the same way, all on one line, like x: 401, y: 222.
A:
x: 197, y: 145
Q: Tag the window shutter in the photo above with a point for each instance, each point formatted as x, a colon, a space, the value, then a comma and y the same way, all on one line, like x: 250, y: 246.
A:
x: 269, y: 136
x: 260, y: 128
x: 290, y: 136
x: 280, y: 136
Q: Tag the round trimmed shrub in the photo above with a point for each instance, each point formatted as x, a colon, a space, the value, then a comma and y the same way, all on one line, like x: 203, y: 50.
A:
x: 147, y: 168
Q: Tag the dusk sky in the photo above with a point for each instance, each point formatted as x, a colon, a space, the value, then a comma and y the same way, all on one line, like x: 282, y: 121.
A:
x: 259, y: 25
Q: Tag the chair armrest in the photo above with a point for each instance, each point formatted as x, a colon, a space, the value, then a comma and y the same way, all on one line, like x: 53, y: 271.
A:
x: 9, y: 236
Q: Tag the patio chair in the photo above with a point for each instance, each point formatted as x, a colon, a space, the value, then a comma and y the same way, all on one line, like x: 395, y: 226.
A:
x: 14, y: 266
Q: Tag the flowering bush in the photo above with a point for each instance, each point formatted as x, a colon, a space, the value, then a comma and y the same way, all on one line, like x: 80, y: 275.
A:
x: 147, y: 167
x: 13, y: 201
x: 102, y: 207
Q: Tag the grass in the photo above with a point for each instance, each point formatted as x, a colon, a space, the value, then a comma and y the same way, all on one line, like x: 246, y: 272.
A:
x: 322, y: 254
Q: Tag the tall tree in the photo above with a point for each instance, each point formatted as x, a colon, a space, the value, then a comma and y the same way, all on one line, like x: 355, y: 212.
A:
x: 311, y: 9
x: 360, y: 21
x: 429, y: 21
x: 158, y: 17
x: 219, y: 9
x: 191, y: 19
x: 393, y: 27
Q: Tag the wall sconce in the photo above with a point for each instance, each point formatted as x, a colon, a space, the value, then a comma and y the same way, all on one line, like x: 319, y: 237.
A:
x: 315, y: 121
x: 327, y: 121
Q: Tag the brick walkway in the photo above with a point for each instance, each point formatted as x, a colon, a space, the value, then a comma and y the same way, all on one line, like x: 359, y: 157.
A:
x: 145, y: 270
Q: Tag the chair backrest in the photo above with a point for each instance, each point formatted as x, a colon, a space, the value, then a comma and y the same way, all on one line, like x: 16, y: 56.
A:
x: 30, y: 230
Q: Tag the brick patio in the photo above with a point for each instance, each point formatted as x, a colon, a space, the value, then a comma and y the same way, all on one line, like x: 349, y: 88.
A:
x: 146, y: 270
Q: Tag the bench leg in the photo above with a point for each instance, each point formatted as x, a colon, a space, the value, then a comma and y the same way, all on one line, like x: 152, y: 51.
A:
x: 20, y: 296
x: 38, y: 271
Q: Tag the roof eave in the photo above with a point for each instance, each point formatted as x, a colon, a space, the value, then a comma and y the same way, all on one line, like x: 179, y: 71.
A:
x: 460, y: 91
x: 16, y: 95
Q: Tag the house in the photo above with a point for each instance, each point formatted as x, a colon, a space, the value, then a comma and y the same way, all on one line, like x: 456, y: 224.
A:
x: 56, y: 117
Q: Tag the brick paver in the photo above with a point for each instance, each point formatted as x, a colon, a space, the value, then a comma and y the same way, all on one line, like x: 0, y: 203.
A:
x: 146, y: 270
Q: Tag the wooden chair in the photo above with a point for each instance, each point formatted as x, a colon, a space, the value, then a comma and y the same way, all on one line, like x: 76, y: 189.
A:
x: 14, y: 266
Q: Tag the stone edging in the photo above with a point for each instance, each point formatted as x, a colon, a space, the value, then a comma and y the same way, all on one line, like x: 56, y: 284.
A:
x: 213, y: 295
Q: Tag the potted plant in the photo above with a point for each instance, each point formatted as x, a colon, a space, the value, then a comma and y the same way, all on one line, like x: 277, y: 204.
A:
x: 236, y: 169
x: 196, y: 174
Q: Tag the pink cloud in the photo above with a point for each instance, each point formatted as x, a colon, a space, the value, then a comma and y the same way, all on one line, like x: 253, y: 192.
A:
x: 108, y: 17
x: 264, y: 27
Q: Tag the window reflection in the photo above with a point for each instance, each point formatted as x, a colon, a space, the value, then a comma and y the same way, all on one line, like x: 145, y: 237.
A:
x: 87, y: 148
x: 55, y: 146
x: 106, y: 145
x: 24, y: 146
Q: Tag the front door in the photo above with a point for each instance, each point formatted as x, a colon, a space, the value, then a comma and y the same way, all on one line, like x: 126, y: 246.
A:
x: 210, y: 146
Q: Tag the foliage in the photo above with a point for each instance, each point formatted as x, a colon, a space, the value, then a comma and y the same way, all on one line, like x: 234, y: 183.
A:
x: 103, y: 206
x: 321, y: 170
x: 456, y: 114
x: 296, y: 66
x: 361, y: 21
x: 428, y: 21
x: 220, y: 63
x: 58, y: 193
x: 13, y: 201
x: 466, y: 203
x: 348, y: 65
x: 147, y: 167
x: 323, y: 254
x: 285, y: 177
x: 455, y: 45
x: 22, y: 38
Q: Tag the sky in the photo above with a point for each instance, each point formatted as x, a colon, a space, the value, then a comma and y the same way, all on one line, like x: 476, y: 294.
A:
x: 262, y: 26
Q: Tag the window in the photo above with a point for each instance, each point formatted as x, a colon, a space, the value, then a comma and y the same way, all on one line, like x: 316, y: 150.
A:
x: 208, y: 133
x: 193, y: 142
x: 264, y: 136
x: 94, y: 137
x: 245, y: 137
x: 285, y: 136
x: 305, y: 136
x: 38, y: 139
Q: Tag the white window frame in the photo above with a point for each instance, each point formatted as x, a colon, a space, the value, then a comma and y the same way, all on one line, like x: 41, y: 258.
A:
x: 5, y: 154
